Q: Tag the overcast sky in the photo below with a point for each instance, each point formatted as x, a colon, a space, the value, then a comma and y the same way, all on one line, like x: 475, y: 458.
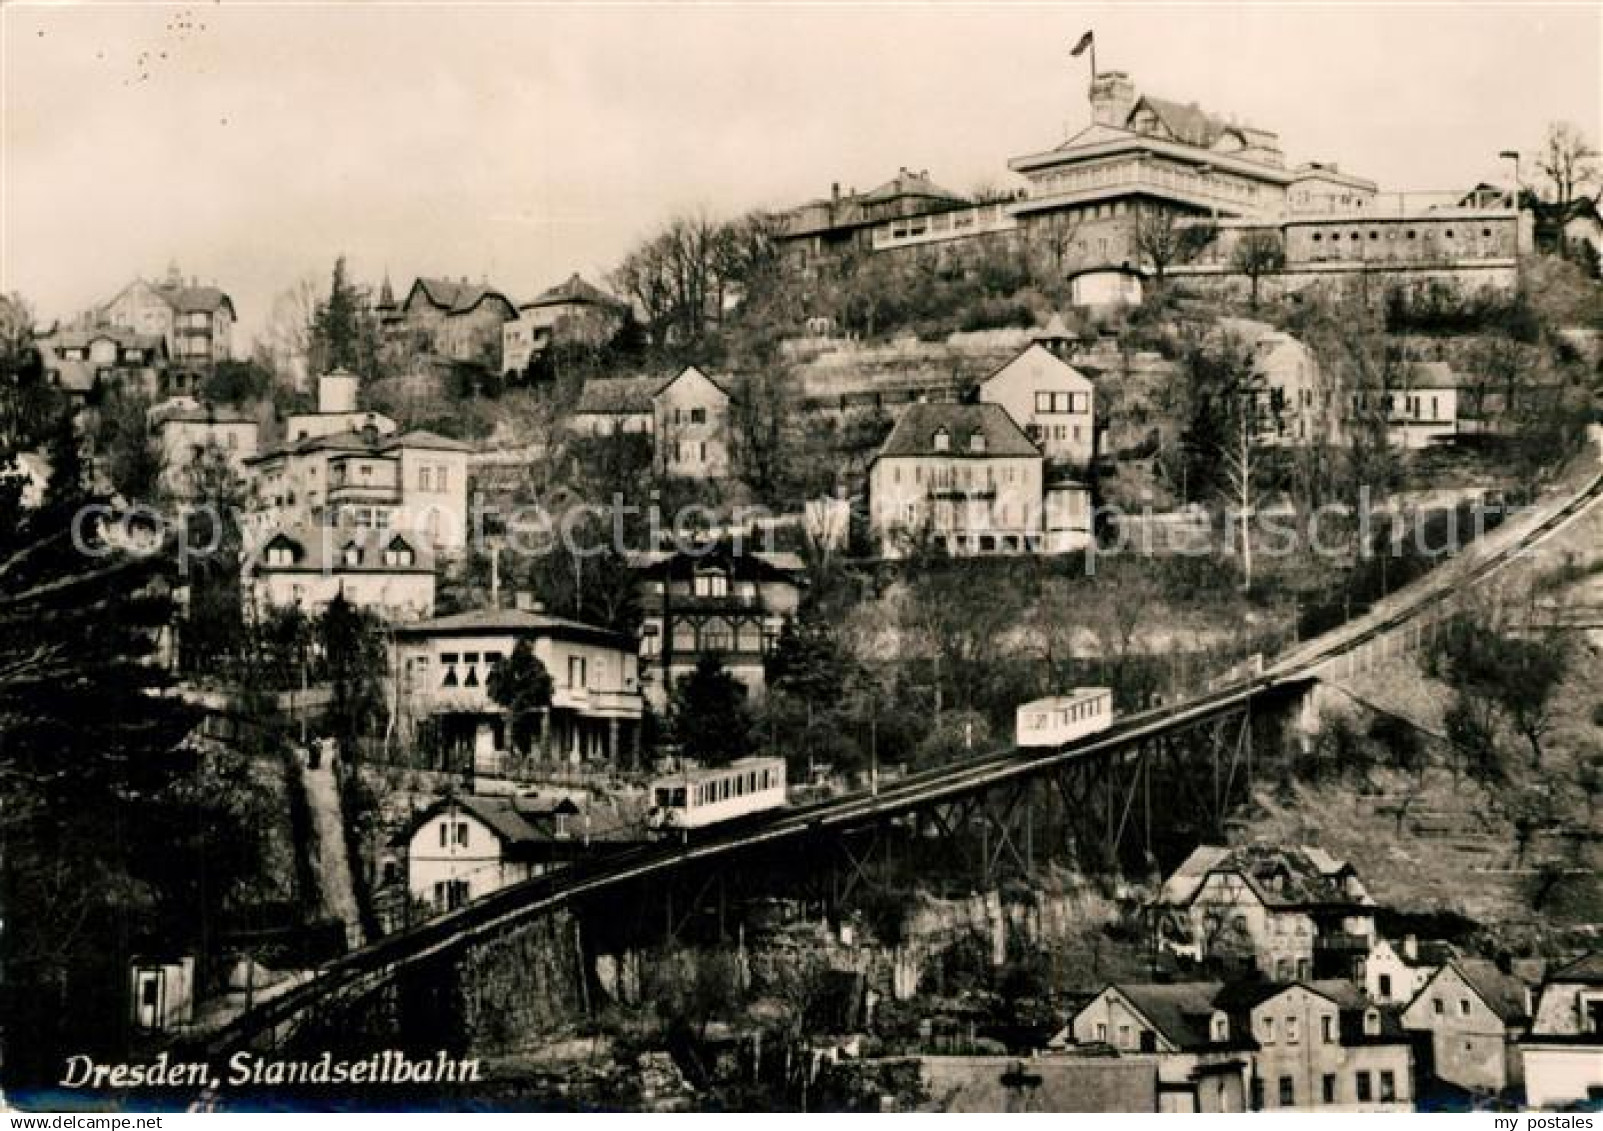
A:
x: 519, y: 143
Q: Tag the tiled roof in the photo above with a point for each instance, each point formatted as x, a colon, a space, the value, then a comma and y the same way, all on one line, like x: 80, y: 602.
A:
x: 907, y: 183
x: 513, y: 621
x: 1503, y: 994
x: 914, y: 434
x: 187, y: 299
x: 458, y: 297
x: 73, y: 338
x: 1587, y: 969
x: 1187, y: 122
x: 618, y: 396
x: 204, y: 414
x: 1181, y: 1011
x: 575, y: 290
x: 321, y: 549
x: 382, y: 444
x: 1294, y: 876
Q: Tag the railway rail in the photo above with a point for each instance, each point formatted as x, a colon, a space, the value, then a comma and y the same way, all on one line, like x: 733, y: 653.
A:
x: 363, y: 971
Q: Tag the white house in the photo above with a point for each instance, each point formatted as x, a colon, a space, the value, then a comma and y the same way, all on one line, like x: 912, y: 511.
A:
x: 690, y: 417
x: 1563, y: 1052
x: 190, y: 436
x: 444, y: 665
x: 337, y: 411
x: 964, y: 476
x: 461, y: 848
x: 388, y: 571
x: 1051, y: 400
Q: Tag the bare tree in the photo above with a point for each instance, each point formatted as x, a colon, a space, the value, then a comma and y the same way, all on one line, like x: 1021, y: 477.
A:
x: 1058, y: 232
x: 1570, y: 164
x: 285, y: 343
x: 1259, y: 252
x: 1164, y: 237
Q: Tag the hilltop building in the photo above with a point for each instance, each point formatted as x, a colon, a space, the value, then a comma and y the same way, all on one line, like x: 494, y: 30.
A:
x: 196, y: 322
x: 570, y: 312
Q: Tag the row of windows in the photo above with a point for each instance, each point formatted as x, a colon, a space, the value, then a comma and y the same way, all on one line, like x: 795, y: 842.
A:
x: 1391, y: 234
x: 453, y: 833
x: 1062, y: 402
x: 961, y: 475
x: 690, y: 453
x: 691, y: 416
x: 578, y: 668
x: 1044, y: 432
x: 719, y: 789
x: 395, y: 554
x: 434, y: 477
x: 1363, y: 1088
x: 941, y: 441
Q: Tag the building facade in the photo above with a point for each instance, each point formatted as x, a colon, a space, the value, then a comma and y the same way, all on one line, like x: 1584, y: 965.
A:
x: 1291, y: 913
x: 961, y: 477
x: 307, y: 567
x: 721, y: 600
x: 1051, y: 400
x: 1475, y: 1015
x: 1562, y: 1055
x: 691, y: 423
x: 197, y: 322
x: 443, y: 669
x: 190, y: 437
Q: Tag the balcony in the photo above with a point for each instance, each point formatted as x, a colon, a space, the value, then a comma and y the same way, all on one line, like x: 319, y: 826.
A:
x: 597, y: 703
x: 364, y: 493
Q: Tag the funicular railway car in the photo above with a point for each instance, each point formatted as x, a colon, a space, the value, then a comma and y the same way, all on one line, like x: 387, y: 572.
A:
x: 1063, y: 718
x: 695, y: 799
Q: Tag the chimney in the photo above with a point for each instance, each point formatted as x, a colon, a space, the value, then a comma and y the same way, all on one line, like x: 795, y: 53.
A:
x: 1411, y: 948
x: 834, y: 193
x: 1112, y: 98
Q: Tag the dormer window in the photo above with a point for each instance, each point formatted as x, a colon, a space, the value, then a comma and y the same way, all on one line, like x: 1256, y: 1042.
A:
x: 1371, y: 1022
x: 712, y: 583
x: 281, y: 553
x: 352, y: 555
x: 1219, y: 1028
x: 942, y: 441
x: 976, y: 442
x: 398, y: 553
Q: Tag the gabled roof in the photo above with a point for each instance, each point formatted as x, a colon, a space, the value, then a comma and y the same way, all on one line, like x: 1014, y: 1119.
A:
x: 1588, y: 969
x: 1068, y: 371
x: 1186, y: 122
x: 575, y: 291
x: 1289, y: 878
x: 517, y: 622
x: 1503, y: 993
x: 782, y: 565
x: 618, y: 396
x: 907, y: 183
x: 518, y: 823
x: 723, y: 384
x: 455, y: 298
x: 76, y: 337
x: 1181, y: 1012
x: 914, y: 434
x: 193, y: 299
